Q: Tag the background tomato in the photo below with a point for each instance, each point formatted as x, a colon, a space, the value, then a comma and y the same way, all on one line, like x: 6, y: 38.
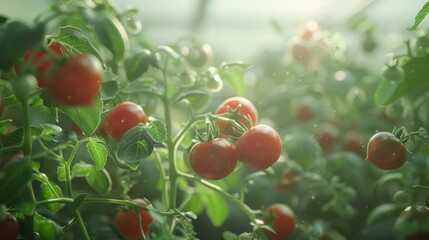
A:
x: 122, y: 118
x: 127, y: 222
x: 282, y: 219
x: 246, y: 109
x: 214, y: 159
x: 386, y: 151
x: 259, y: 147
x: 9, y: 227
x: 42, y: 61
x: 413, y: 223
x: 288, y: 180
x: 77, y: 81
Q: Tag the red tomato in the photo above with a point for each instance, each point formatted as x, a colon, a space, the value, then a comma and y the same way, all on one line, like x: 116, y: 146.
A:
x: 353, y: 142
x: 282, y: 219
x: 259, y: 147
x: 327, y: 135
x: 77, y: 81
x: 122, y: 118
x: 246, y: 109
x: 127, y: 222
x: 42, y: 61
x: 303, y: 109
x: 213, y: 160
x: 9, y: 227
x: 287, y: 180
x: 412, y: 223
x: 300, y: 51
x: 386, y: 151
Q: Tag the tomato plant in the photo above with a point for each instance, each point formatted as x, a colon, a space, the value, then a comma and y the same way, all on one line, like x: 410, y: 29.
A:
x: 259, y: 147
x: 9, y: 227
x: 122, y: 118
x: 281, y: 219
x: 129, y: 225
x: 65, y: 83
x: 386, y: 151
x: 214, y: 159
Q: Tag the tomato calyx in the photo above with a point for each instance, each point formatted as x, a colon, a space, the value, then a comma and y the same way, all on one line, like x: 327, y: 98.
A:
x: 232, y: 117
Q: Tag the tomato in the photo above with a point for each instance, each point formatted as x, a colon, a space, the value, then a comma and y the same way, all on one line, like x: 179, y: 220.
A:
x: 214, y: 159
x: 392, y: 73
x: 247, y: 109
x: 9, y: 227
x: 413, y: 222
x: 303, y: 109
x: 122, y: 118
x: 198, y: 55
x: 354, y: 141
x: 386, y: 151
x: 127, y: 222
x: 259, y: 147
x: 282, y: 219
x: 308, y: 31
x: 300, y: 51
x: 327, y: 135
x: 77, y: 81
x: 287, y: 180
x: 42, y: 61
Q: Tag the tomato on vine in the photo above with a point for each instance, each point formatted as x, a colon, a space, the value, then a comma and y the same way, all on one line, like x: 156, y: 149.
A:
x: 9, y: 227
x: 122, y: 118
x: 247, y: 109
x: 214, y: 159
x: 386, y: 151
x: 413, y: 222
x: 41, y: 60
x: 281, y: 219
x: 77, y: 81
x: 128, y: 225
x: 259, y: 147
x: 287, y: 180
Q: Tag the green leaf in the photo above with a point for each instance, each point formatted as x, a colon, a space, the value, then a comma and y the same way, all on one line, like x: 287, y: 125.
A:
x: 3, y: 124
x: 216, y: 206
x: 112, y: 34
x: 82, y: 169
x: 98, y: 152
x: 61, y: 172
x: 137, y: 64
x: 389, y: 91
x: 419, y: 17
x: 47, y: 228
x: 157, y: 130
x: 14, y: 178
x: 87, y: 118
x: 232, y: 74
x: 229, y: 236
x: 74, y: 39
x: 49, y: 131
x: 50, y: 190
x: 135, y: 145
x: 382, y: 212
x: 99, y: 180
x: 15, y: 41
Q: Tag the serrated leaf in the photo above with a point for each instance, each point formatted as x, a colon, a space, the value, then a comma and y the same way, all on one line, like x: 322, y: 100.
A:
x: 157, y: 130
x: 135, y: 145
x: 420, y: 16
x: 81, y: 169
x: 74, y: 39
x: 50, y: 190
x: 99, y: 180
x: 216, y: 206
x: 87, y: 118
x: 98, y: 152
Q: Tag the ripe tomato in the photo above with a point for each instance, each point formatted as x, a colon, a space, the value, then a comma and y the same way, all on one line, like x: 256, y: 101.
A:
x: 413, y: 223
x: 127, y: 222
x: 303, y: 109
x: 122, y: 118
x: 300, y: 51
x: 259, y: 147
x: 213, y: 160
x: 77, y: 81
x: 282, y: 219
x: 353, y: 142
x: 9, y: 227
x: 287, y: 180
x: 42, y: 61
x: 386, y: 151
x: 246, y: 109
x: 326, y: 135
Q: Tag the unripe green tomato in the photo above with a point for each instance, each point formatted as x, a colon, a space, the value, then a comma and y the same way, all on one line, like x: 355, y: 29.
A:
x: 393, y: 73
x: 24, y: 85
x: 215, y: 83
